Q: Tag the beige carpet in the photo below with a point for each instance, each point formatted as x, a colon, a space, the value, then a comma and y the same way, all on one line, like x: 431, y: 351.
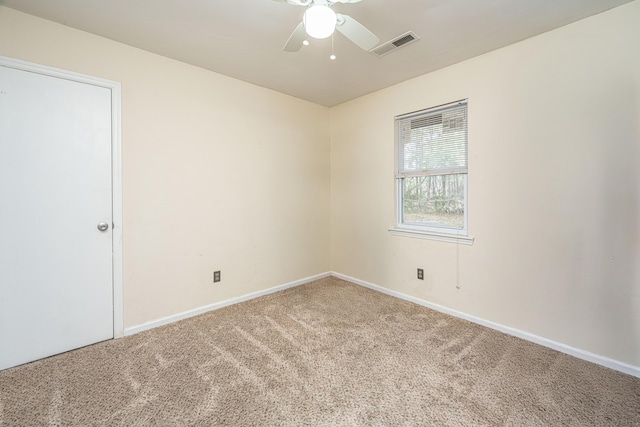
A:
x: 329, y: 353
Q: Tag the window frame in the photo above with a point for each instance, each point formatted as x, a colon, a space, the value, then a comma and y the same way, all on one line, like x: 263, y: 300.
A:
x: 442, y: 233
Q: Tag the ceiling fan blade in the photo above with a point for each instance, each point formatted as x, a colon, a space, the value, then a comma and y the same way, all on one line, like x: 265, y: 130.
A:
x: 356, y: 32
x: 295, y: 39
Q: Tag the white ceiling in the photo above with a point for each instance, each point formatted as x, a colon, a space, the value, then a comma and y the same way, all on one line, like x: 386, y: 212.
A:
x: 244, y: 38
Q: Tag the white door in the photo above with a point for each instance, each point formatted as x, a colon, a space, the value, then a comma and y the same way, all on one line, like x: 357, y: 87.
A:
x: 56, y: 287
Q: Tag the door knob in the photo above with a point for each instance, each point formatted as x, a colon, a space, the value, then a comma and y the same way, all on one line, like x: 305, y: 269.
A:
x: 103, y: 226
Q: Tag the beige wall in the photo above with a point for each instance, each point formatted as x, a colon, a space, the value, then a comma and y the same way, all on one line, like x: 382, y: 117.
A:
x: 218, y: 173
x: 554, y: 187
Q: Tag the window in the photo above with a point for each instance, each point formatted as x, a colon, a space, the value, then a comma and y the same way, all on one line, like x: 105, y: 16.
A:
x: 431, y: 170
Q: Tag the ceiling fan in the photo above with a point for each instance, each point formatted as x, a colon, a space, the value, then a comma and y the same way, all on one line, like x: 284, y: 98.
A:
x: 320, y: 21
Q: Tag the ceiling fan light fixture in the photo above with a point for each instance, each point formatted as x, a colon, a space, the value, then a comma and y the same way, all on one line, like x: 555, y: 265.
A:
x: 319, y: 21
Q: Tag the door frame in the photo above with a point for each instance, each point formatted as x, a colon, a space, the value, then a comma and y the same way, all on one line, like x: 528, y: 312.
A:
x: 116, y: 172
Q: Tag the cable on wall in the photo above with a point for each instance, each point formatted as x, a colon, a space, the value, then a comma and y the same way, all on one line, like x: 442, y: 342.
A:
x: 457, y: 264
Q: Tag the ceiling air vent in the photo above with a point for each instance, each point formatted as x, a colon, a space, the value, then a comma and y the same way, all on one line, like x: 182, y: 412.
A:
x: 388, y: 47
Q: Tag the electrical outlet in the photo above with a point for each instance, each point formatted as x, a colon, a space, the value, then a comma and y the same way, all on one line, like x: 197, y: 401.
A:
x: 216, y: 276
x: 420, y: 274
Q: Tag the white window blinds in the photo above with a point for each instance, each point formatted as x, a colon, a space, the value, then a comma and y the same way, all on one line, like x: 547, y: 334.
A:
x: 433, y: 142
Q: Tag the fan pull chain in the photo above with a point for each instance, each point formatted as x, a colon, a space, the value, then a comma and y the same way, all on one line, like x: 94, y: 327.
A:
x: 333, y: 56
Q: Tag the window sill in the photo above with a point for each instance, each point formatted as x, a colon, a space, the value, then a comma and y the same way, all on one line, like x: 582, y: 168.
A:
x: 428, y: 235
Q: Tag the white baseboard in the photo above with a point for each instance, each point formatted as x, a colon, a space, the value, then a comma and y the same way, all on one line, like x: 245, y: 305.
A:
x: 563, y: 348
x: 215, y: 306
